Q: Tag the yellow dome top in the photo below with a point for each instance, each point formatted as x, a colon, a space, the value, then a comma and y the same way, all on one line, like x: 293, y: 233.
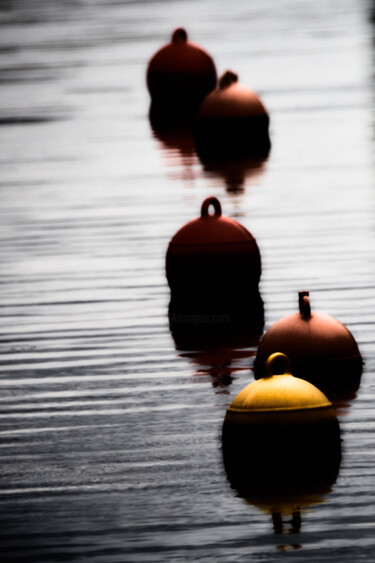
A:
x: 279, y: 392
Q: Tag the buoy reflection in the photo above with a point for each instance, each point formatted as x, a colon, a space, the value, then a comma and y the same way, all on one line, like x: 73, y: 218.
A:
x: 220, y: 364
x: 175, y: 135
x: 234, y: 172
x: 286, y: 505
x: 218, y: 336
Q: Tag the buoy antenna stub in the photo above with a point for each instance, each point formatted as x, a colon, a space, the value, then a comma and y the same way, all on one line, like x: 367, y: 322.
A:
x: 304, y: 305
x: 179, y: 35
x: 227, y: 79
x: 277, y: 364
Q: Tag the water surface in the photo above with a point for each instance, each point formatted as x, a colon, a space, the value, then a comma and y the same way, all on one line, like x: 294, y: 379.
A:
x: 109, y: 434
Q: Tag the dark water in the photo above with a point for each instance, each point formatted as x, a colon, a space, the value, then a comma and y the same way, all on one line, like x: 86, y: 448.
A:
x: 109, y: 436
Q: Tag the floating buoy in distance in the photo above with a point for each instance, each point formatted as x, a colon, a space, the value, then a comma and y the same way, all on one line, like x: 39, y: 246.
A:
x: 213, y: 256
x: 180, y: 74
x: 321, y: 350
x: 232, y: 121
x: 280, y: 432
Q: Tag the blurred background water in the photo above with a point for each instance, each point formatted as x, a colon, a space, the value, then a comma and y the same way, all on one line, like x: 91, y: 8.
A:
x: 109, y: 434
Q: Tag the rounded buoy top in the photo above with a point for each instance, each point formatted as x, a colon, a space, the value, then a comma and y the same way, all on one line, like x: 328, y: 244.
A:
x: 181, y: 68
x: 231, y: 99
x: 279, y: 391
x: 308, y: 335
x: 211, y: 228
x: 181, y: 55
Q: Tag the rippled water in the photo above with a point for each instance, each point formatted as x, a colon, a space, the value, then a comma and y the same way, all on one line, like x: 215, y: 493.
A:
x: 109, y: 435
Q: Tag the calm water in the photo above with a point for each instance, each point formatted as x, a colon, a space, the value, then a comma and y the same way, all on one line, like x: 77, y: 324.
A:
x: 109, y: 435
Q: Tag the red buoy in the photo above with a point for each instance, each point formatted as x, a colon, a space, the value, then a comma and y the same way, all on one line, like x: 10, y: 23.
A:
x: 213, y: 255
x: 321, y: 349
x: 180, y: 73
x: 232, y: 119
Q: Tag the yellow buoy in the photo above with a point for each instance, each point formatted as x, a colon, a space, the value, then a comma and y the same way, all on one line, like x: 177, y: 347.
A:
x: 280, y: 432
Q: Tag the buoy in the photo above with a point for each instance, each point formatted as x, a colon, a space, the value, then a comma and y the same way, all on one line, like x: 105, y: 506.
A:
x: 232, y: 121
x: 279, y: 433
x: 180, y: 74
x: 213, y: 257
x: 321, y: 350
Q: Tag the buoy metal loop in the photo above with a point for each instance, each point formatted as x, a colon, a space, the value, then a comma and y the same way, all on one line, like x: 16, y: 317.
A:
x: 278, y: 364
x: 206, y: 204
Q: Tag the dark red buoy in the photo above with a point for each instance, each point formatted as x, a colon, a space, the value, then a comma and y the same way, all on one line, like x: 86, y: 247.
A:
x: 180, y: 73
x: 320, y: 348
x: 213, y: 255
x: 232, y: 119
